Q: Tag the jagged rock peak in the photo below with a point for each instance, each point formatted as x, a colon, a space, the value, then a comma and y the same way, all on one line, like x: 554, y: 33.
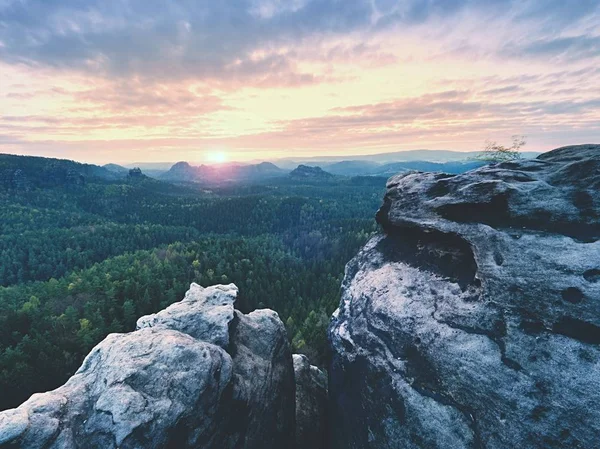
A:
x: 198, y: 374
x: 473, y: 321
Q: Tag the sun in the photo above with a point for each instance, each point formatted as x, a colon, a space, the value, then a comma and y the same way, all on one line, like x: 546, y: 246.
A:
x: 217, y: 157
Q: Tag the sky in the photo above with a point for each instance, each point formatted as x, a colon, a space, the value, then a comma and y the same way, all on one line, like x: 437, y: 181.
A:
x: 212, y: 80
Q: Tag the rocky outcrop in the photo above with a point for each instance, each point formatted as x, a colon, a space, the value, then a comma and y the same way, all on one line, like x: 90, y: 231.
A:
x: 135, y: 174
x: 199, y: 374
x: 473, y: 320
x: 14, y: 180
x: 311, y: 404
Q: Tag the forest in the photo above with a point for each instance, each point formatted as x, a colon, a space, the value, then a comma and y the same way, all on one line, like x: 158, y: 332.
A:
x: 85, y: 255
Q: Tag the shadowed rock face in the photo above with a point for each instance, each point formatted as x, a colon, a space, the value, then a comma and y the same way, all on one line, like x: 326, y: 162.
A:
x: 311, y: 404
x: 473, y: 321
x: 197, y: 375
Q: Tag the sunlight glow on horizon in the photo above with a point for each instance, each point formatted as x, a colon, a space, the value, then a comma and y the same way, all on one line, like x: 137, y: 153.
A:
x: 217, y: 157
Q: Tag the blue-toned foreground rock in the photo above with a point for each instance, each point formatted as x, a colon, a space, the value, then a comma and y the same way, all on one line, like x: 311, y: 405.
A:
x: 197, y: 375
x: 473, y: 320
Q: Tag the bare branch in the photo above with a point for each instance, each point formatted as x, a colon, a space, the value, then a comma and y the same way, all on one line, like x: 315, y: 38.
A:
x: 494, y: 152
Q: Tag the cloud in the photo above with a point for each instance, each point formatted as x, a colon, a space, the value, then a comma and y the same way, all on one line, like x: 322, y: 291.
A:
x: 502, y: 90
x: 207, y: 39
x: 184, y: 38
x: 572, y: 47
x: 557, y: 12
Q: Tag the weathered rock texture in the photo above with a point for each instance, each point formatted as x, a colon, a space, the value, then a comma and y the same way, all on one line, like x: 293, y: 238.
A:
x: 196, y: 375
x: 473, y: 321
x: 311, y: 404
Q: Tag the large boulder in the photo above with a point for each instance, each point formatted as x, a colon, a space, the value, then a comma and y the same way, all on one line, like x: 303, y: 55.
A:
x: 473, y: 320
x: 311, y: 404
x: 197, y: 375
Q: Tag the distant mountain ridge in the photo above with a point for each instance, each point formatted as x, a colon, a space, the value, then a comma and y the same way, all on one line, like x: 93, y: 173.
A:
x: 368, y: 168
x: 439, y: 156
x: 116, y: 168
x: 290, y: 163
x: 221, y: 173
x: 25, y: 172
x: 236, y: 173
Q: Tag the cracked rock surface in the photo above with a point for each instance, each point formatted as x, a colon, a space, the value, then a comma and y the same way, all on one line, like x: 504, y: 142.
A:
x: 197, y: 375
x: 473, y: 320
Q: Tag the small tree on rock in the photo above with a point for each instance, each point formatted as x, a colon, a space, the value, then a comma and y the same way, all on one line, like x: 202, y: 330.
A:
x: 494, y: 152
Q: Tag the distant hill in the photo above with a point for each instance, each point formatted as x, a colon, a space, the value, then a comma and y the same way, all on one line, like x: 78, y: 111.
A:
x: 439, y: 156
x: 425, y: 166
x: 152, y: 169
x: 151, y: 166
x: 180, y: 172
x: 310, y: 173
x: 344, y: 165
x: 158, y: 168
x: 353, y: 168
x: 27, y: 172
x: 222, y: 173
x: 369, y: 168
x: 115, y: 168
x: 183, y: 172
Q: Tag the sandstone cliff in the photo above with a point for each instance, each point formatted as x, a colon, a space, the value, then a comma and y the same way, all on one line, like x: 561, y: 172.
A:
x: 473, y: 320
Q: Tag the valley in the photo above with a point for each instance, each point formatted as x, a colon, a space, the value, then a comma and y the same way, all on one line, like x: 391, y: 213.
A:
x: 85, y: 251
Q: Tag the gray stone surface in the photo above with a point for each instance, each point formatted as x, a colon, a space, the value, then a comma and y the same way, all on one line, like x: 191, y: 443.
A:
x: 311, y: 404
x: 473, y: 321
x: 196, y: 375
x: 204, y: 313
x: 263, y: 377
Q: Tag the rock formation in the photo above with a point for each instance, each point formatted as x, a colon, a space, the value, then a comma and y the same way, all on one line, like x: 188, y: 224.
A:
x: 473, y: 320
x: 197, y: 375
x: 311, y: 404
x: 135, y: 174
x: 222, y: 173
x: 307, y: 172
